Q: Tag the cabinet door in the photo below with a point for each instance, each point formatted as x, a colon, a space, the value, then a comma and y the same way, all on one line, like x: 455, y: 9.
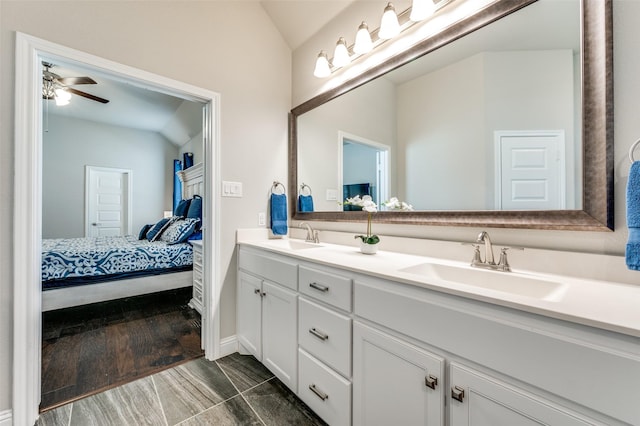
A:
x: 487, y: 401
x: 280, y: 333
x: 393, y: 380
x: 249, y: 315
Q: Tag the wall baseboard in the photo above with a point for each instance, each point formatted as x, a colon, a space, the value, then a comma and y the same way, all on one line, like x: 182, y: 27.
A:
x: 6, y: 418
x: 228, y: 345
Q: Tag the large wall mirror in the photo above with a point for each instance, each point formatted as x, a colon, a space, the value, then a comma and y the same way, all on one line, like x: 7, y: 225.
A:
x: 503, y: 119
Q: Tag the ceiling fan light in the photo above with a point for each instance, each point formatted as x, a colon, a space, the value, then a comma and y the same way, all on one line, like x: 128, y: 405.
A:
x: 363, y: 42
x: 389, y: 26
x: 62, y: 97
x: 341, y: 54
x: 322, y: 69
x: 422, y: 9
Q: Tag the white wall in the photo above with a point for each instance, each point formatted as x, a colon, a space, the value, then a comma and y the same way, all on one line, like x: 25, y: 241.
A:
x: 71, y: 144
x: 194, y: 146
x: 626, y: 17
x: 205, y: 44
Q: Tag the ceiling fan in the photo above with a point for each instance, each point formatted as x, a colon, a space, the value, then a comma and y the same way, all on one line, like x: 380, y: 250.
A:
x: 56, y: 87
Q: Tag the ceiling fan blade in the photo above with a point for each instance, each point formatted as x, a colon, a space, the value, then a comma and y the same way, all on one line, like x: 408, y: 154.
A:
x: 86, y: 95
x: 70, y: 81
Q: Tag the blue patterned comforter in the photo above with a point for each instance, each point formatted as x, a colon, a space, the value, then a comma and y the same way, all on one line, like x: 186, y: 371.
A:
x: 64, y: 258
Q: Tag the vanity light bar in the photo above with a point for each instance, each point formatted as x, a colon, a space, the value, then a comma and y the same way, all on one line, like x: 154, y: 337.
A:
x: 405, y: 20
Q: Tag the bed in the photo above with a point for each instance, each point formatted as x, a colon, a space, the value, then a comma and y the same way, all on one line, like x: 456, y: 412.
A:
x: 79, y: 271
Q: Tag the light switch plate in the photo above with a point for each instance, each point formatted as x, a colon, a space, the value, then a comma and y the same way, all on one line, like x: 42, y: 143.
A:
x: 332, y: 195
x: 231, y: 189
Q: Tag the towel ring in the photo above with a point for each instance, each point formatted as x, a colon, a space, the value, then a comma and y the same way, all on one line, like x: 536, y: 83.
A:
x: 275, y: 186
x: 302, y: 188
x: 635, y: 144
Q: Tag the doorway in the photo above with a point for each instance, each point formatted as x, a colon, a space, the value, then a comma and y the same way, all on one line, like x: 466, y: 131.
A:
x: 363, y: 167
x: 30, y: 52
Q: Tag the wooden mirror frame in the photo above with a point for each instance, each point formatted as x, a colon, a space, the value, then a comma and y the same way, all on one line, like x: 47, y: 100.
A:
x: 597, y: 131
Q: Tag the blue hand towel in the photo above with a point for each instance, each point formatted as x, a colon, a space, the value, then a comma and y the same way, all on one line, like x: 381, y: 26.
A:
x: 633, y: 217
x: 279, y: 214
x: 305, y: 203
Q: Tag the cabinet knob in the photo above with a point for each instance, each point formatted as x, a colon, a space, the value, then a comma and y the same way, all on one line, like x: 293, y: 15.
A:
x: 319, y: 287
x: 431, y: 381
x: 320, y: 335
x: 457, y: 393
x: 323, y: 396
x: 259, y: 293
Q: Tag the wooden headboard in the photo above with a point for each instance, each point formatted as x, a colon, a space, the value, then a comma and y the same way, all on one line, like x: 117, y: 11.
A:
x: 192, y: 181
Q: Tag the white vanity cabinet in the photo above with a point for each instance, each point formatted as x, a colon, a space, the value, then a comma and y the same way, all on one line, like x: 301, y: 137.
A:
x: 373, y: 351
x: 267, y: 313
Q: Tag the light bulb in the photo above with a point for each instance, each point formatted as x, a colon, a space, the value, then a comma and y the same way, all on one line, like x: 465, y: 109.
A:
x: 341, y: 54
x: 422, y: 9
x: 62, y: 97
x: 363, y: 40
x: 322, y: 65
x: 389, y: 26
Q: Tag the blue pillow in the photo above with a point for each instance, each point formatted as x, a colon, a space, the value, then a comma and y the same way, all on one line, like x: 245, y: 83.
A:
x: 195, y: 209
x: 143, y: 232
x: 195, y: 236
x: 155, y: 229
x: 179, y: 231
x: 182, y: 208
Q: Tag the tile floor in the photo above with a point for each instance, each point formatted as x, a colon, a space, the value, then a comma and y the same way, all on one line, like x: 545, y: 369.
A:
x: 234, y: 390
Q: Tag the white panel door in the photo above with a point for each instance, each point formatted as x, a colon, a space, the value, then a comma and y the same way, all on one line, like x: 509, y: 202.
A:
x: 482, y: 400
x: 530, y: 170
x: 107, y: 202
x: 280, y: 333
x: 394, y: 382
x: 249, y: 314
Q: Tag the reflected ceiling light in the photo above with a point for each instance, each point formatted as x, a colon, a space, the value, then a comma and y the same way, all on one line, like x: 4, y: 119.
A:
x: 322, y: 65
x: 341, y: 54
x: 363, y: 40
x: 422, y: 9
x: 389, y: 26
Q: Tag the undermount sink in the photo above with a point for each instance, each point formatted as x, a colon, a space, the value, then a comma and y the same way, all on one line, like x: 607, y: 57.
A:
x: 506, y: 282
x: 292, y: 244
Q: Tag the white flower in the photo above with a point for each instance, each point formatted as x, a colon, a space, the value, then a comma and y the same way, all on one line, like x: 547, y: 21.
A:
x: 395, y: 204
x: 366, y: 202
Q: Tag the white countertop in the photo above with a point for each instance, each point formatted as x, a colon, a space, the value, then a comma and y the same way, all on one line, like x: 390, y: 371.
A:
x: 602, y: 304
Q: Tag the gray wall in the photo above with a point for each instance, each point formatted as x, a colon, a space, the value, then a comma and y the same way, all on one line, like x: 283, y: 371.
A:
x: 205, y: 44
x: 71, y: 144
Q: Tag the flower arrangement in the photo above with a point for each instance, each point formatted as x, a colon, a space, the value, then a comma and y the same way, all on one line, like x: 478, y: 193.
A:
x: 367, y: 205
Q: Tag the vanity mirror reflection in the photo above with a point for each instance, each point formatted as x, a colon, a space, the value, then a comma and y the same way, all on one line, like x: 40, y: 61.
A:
x: 505, y: 120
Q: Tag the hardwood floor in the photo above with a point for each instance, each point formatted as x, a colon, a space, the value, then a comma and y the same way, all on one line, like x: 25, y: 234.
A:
x: 89, y: 349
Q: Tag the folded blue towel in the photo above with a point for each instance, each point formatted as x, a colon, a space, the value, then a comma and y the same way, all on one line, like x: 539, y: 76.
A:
x: 305, y: 203
x: 279, y: 214
x: 633, y: 217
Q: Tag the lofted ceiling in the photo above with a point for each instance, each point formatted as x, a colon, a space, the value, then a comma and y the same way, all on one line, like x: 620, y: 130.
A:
x: 179, y: 120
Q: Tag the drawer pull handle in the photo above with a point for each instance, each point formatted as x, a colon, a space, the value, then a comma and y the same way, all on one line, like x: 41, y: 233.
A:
x: 431, y: 381
x: 323, y: 396
x: 320, y: 335
x: 457, y: 393
x: 319, y: 287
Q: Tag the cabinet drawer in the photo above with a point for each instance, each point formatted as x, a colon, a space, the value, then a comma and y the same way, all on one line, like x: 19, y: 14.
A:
x: 327, y: 287
x: 327, y: 393
x: 274, y: 269
x: 325, y: 334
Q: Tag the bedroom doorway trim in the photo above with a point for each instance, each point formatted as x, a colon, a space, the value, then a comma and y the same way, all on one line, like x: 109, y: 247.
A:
x: 30, y: 51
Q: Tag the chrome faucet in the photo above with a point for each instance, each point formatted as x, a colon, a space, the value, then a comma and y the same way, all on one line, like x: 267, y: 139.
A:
x: 312, y: 235
x: 483, y: 237
x: 489, y: 260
